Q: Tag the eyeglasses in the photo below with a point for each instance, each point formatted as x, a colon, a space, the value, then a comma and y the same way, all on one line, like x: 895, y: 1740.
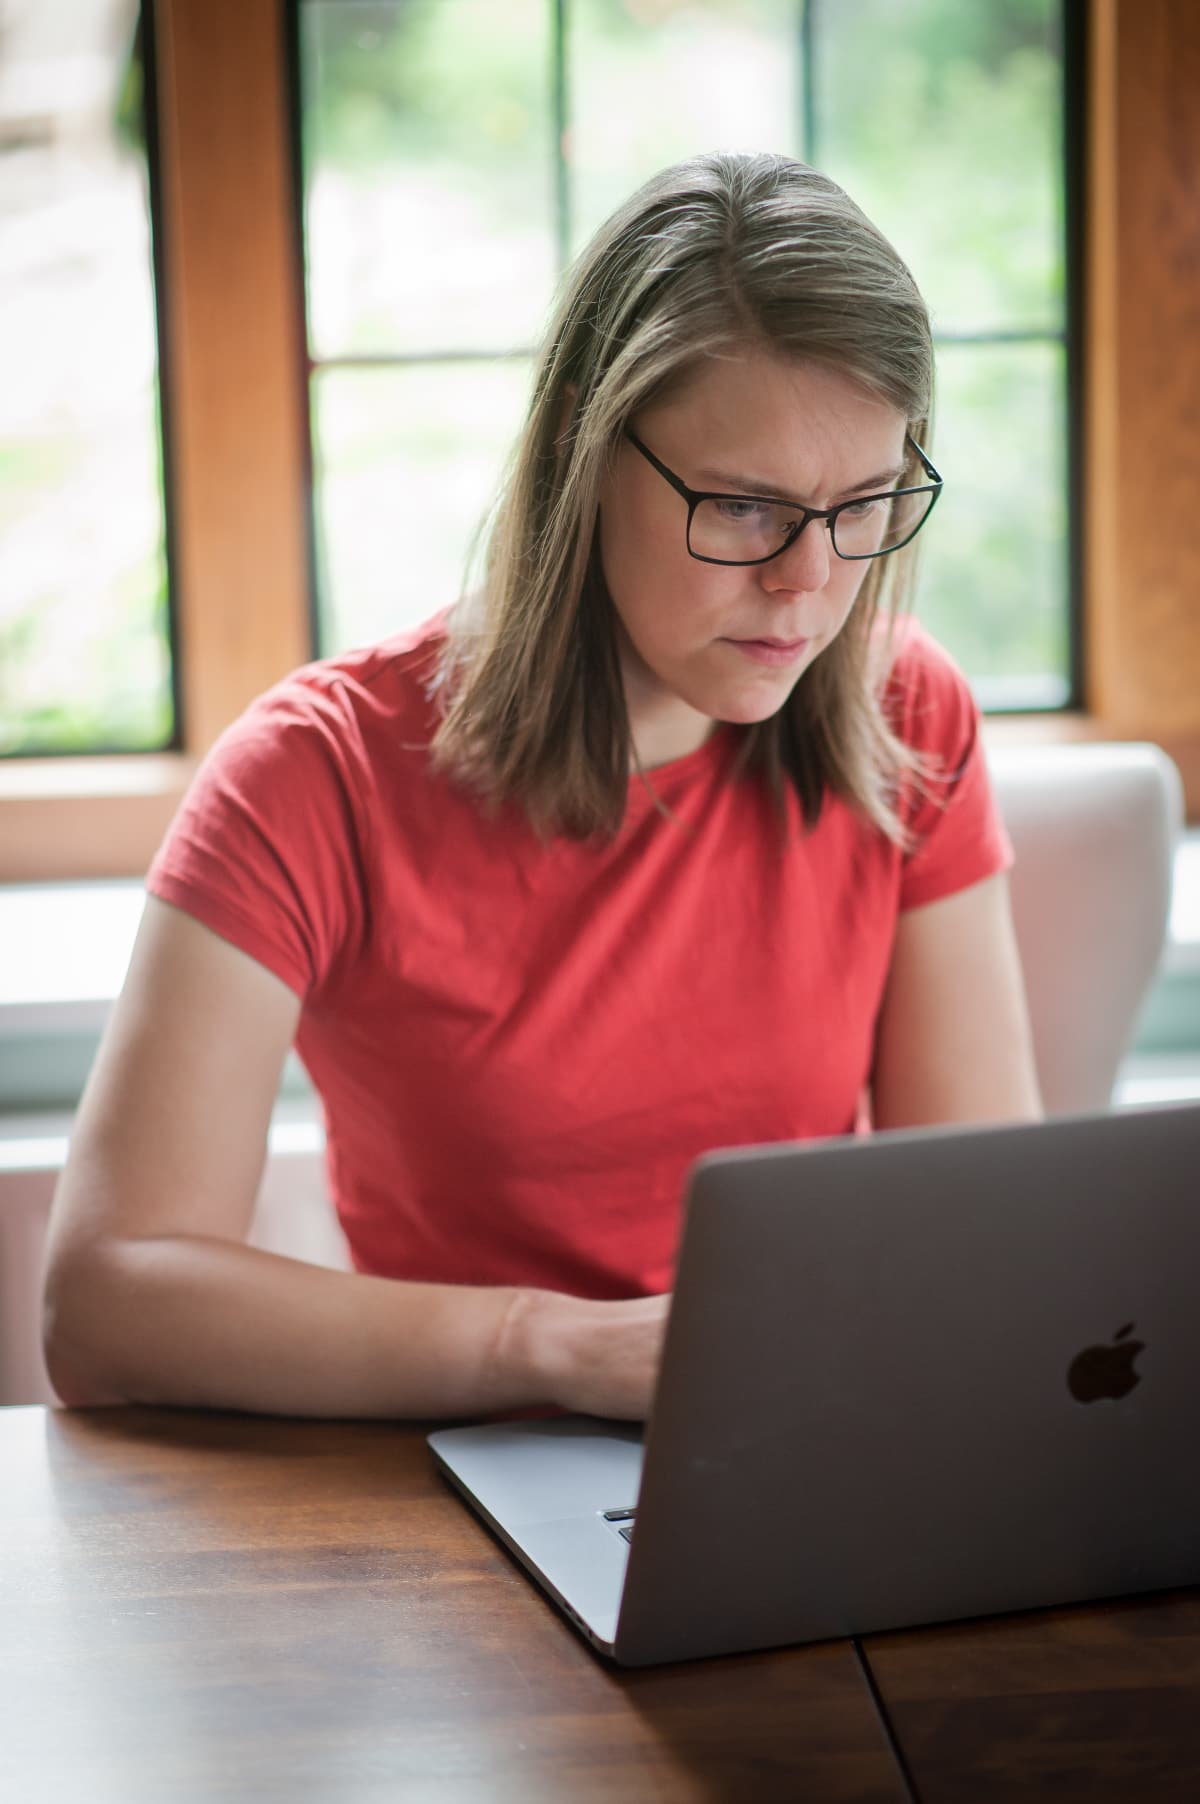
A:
x: 752, y: 529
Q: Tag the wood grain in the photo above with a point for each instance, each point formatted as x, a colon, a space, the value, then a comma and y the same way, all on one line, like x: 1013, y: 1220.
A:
x: 1142, y: 520
x: 202, y: 1607
x: 1088, y: 1706
x: 234, y: 355
x: 234, y: 366
x: 86, y: 817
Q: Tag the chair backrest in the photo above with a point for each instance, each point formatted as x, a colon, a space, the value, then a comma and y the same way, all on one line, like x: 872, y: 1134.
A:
x: 1094, y: 828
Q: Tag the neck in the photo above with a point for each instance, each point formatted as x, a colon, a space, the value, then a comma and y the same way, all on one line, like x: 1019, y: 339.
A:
x: 662, y: 726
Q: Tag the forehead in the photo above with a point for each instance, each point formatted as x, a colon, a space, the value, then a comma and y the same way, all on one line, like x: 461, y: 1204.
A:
x: 772, y: 413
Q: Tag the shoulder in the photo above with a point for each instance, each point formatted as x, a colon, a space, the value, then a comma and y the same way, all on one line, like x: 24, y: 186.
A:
x: 274, y: 839
x: 389, y: 687
x: 956, y: 837
x: 307, y: 762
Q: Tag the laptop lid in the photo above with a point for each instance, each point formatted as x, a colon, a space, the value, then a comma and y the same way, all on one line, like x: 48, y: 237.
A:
x: 921, y: 1376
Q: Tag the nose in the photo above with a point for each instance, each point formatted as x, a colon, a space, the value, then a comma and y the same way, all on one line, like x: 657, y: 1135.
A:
x: 804, y: 566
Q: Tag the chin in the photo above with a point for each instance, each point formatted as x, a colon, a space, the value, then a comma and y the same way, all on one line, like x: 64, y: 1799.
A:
x: 750, y: 707
x: 748, y: 717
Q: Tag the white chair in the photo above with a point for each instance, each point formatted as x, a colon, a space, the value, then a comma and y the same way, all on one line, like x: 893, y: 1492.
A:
x: 1094, y: 828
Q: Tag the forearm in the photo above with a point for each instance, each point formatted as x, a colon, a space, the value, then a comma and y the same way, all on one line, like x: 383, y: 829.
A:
x: 214, y: 1323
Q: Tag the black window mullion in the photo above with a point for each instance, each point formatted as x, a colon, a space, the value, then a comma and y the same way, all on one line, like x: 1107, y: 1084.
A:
x: 1075, y: 126
x: 292, y: 26
x: 561, y: 122
x: 386, y: 360
x: 147, y: 47
x: 806, y: 31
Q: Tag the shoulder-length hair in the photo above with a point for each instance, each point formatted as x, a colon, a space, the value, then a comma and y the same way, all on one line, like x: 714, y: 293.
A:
x: 716, y: 253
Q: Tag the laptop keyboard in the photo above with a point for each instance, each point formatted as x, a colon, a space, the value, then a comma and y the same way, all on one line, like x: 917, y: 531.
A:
x: 623, y: 1517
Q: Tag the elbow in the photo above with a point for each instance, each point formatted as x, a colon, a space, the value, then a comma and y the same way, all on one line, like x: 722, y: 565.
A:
x: 73, y: 1353
x: 73, y: 1386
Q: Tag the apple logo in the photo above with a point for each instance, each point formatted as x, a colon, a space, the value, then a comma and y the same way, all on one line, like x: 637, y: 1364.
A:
x: 1105, y: 1371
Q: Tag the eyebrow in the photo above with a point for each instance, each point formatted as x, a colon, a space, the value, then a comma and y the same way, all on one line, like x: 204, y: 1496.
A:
x: 741, y: 484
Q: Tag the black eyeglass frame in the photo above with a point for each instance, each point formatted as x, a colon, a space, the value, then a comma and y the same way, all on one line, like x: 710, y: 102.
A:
x: 694, y: 497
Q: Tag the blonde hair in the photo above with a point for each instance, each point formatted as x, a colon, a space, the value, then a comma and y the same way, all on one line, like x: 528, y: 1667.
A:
x: 714, y: 254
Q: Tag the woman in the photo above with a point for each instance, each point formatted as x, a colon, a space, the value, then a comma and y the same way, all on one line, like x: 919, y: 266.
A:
x: 663, y: 842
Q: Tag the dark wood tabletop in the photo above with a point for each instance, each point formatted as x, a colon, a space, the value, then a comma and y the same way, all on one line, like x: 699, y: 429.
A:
x: 218, y: 1607
x: 210, y: 1607
x: 1097, y: 1705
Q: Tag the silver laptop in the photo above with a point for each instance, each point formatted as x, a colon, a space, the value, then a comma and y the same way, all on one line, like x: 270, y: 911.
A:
x: 907, y: 1378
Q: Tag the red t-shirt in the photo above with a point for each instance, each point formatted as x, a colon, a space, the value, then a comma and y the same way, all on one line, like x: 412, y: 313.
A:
x: 522, y: 1046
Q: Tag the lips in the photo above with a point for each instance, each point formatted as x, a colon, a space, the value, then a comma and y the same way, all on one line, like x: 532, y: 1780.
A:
x: 771, y: 651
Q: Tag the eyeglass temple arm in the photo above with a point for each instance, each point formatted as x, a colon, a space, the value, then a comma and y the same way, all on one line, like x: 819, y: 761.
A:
x: 926, y: 463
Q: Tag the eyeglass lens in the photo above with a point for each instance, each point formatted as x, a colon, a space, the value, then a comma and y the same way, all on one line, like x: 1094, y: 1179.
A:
x: 744, y: 530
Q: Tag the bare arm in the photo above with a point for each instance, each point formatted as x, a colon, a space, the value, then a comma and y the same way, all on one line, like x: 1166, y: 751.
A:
x: 152, y: 1294
x: 953, y: 1040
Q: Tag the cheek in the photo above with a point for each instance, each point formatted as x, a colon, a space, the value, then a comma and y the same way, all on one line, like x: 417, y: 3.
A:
x: 648, y: 572
x: 613, y: 543
x: 622, y: 538
x: 847, y: 586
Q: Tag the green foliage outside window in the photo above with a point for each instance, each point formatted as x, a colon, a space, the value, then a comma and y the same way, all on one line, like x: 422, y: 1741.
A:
x: 445, y: 181
x: 432, y: 212
x: 85, y: 660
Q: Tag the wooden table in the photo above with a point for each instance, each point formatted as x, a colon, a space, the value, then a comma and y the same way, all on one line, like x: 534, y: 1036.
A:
x: 208, y: 1607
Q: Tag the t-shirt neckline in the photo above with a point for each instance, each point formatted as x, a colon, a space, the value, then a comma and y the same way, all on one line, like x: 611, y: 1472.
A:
x: 643, y: 787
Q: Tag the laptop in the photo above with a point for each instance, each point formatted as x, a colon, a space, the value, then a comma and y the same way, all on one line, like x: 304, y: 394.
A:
x: 907, y: 1378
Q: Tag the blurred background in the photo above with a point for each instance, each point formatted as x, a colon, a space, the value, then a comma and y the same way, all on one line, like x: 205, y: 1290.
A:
x: 453, y: 155
x: 271, y: 276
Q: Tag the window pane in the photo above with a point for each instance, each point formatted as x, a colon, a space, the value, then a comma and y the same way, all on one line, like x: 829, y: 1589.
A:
x: 84, y: 651
x: 948, y: 132
x: 994, y: 557
x: 650, y: 84
x: 429, y: 199
x: 949, y: 136
x: 408, y: 461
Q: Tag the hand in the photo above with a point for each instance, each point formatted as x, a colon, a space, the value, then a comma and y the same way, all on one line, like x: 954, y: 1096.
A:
x: 600, y: 1359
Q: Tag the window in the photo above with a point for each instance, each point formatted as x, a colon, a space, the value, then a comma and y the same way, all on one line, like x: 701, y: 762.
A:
x: 85, y: 658
x: 456, y: 153
x: 234, y: 356
x: 950, y: 135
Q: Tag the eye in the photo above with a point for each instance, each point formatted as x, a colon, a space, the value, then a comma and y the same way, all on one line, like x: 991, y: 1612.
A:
x: 864, y: 509
x: 738, y: 510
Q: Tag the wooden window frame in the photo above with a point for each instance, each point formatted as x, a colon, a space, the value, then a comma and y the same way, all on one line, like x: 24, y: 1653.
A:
x: 234, y: 358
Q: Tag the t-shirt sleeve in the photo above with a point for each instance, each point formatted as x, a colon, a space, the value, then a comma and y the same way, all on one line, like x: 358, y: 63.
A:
x: 268, y: 845
x: 957, y: 835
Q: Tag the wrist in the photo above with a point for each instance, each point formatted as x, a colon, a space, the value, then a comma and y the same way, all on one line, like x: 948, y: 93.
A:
x: 529, y: 1353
